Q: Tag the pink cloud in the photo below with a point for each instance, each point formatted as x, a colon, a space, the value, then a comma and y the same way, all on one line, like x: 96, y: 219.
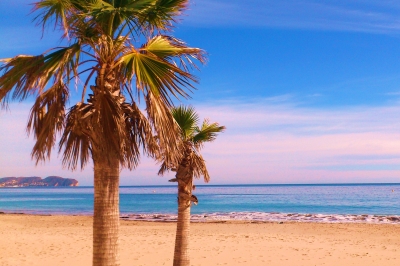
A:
x: 280, y: 143
x: 265, y: 142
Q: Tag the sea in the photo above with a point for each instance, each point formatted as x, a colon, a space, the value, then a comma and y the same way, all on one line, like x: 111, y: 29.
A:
x: 328, y: 203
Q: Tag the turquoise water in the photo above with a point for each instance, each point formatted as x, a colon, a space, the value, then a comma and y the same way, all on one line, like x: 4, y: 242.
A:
x: 333, y: 202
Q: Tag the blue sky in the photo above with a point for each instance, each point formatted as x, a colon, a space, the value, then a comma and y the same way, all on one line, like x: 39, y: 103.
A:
x: 309, y: 91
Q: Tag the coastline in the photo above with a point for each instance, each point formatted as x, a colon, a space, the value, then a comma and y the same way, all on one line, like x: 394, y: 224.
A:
x: 251, y: 217
x: 27, y: 239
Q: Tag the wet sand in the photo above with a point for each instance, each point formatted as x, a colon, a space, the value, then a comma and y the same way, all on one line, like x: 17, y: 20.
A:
x: 67, y: 240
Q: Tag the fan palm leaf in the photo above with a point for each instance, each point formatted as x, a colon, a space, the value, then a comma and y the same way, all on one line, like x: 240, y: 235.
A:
x: 28, y: 75
x: 47, y: 119
x: 187, y: 119
x: 193, y: 138
x: 206, y: 133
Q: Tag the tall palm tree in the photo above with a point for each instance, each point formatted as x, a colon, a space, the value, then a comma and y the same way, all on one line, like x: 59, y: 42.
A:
x: 103, y: 49
x: 190, y: 164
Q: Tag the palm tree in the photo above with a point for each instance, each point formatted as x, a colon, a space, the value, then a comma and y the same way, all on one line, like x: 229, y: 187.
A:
x: 103, y: 49
x: 190, y: 164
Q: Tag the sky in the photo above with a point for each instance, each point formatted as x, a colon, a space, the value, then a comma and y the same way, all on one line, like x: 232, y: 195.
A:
x: 309, y: 92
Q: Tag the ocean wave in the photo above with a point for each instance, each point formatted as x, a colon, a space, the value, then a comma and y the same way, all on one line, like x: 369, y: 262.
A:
x: 271, y: 217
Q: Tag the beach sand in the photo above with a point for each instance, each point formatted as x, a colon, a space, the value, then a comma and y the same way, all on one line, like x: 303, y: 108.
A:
x: 67, y: 240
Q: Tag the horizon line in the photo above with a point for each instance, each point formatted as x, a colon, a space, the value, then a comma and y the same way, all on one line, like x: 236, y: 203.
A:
x: 271, y: 184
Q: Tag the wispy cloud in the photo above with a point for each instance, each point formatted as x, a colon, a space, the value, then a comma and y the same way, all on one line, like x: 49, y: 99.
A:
x: 274, y: 140
x: 287, y: 143
x: 365, y: 16
x: 283, y: 113
x: 394, y: 93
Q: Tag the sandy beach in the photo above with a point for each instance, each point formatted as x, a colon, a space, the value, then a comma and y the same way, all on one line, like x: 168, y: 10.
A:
x: 67, y: 240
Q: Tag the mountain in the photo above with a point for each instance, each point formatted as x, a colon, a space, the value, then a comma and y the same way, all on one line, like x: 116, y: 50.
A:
x: 56, y: 181
x: 35, y: 181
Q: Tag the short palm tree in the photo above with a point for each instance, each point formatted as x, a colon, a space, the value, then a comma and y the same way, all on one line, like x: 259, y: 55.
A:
x: 190, y: 164
x: 106, y: 125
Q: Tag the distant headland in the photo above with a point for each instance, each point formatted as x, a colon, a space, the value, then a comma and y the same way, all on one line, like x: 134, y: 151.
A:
x: 35, y: 181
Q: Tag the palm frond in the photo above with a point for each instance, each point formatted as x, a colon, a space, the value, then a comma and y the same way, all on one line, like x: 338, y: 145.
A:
x: 107, y: 49
x: 199, y: 167
x: 76, y: 139
x: 166, y: 129
x: 20, y: 73
x: 140, y: 135
x: 156, y: 74
x: 174, y: 50
x: 108, y: 123
x: 60, y: 64
x: 139, y: 15
x: 187, y: 119
x: 26, y: 75
x: 206, y: 133
x: 55, y: 11
x: 47, y: 119
x: 193, y: 137
x: 83, y: 28
x: 73, y: 16
x: 164, y: 168
x: 160, y: 14
x: 104, y: 12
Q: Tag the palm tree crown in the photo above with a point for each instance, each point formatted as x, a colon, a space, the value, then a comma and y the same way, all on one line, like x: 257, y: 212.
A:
x: 101, y: 35
x: 193, y: 138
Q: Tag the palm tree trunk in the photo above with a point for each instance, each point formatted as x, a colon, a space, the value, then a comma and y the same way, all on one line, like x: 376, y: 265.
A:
x: 184, y: 176
x: 106, y: 213
x: 181, y: 253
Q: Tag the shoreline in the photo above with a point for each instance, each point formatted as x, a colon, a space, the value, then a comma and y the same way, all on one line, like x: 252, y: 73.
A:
x: 250, y: 217
x: 67, y: 240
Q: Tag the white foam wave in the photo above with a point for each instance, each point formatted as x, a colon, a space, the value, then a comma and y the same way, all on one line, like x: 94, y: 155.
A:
x: 271, y: 217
